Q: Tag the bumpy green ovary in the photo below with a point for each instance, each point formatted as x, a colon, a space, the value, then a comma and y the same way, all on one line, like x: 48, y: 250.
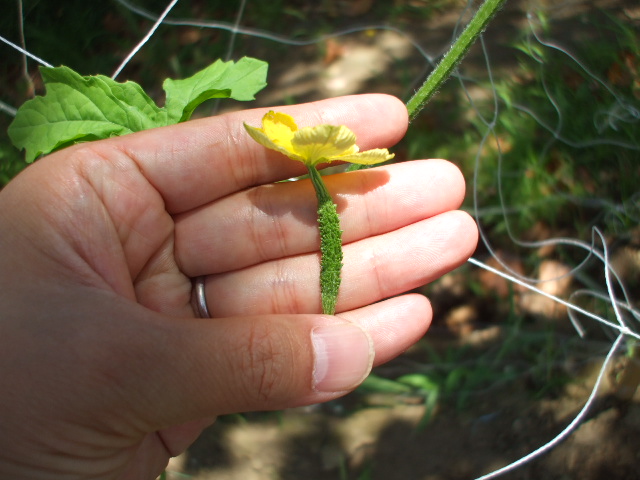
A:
x: 331, y: 249
x: 330, y: 244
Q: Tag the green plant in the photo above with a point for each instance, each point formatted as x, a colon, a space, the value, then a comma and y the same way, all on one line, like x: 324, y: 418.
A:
x: 79, y: 109
x: 11, y: 163
x: 580, y: 135
x: 561, y: 152
x: 454, y: 56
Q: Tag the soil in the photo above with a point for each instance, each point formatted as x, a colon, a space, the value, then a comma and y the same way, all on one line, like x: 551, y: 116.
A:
x: 383, y: 438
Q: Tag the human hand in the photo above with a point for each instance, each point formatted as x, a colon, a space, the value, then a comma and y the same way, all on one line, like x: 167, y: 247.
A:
x: 107, y: 372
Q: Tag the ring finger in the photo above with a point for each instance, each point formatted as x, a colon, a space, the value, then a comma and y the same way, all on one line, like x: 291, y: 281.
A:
x: 374, y: 268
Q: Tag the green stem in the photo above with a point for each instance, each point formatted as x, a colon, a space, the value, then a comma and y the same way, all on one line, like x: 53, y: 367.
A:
x: 457, y: 52
x: 330, y: 244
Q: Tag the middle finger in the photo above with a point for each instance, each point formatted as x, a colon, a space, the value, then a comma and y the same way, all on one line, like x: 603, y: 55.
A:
x: 275, y: 221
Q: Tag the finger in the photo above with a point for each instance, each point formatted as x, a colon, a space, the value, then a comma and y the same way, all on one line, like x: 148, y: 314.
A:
x: 411, y: 315
x: 193, y: 163
x: 276, y: 221
x: 374, y: 268
x: 199, y: 368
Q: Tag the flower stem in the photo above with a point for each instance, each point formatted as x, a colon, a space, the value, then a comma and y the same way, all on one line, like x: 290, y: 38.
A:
x: 330, y: 244
x: 457, y: 52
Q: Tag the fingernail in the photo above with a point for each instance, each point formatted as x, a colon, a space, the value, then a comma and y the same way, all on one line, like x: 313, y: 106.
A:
x: 343, y: 357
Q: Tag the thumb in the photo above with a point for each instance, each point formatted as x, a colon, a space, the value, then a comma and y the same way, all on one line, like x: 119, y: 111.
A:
x: 195, y: 368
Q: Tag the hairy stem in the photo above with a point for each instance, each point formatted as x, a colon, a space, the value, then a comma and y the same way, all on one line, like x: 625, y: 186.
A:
x: 330, y: 244
x: 457, y: 52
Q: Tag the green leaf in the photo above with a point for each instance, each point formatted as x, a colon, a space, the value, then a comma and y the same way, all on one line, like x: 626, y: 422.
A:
x: 420, y: 381
x: 80, y: 108
x: 240, y: 81
x: 77, y: 109
x: 375, y: 383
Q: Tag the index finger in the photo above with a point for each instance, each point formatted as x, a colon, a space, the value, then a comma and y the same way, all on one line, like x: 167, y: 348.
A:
x: 194, y: 163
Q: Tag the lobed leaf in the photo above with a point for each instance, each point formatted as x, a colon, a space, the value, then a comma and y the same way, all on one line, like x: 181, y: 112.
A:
x: 240, y: 81
x: 78, y: 108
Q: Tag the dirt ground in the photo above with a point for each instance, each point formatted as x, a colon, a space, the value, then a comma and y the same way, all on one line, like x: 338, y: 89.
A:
x: 382, y: 438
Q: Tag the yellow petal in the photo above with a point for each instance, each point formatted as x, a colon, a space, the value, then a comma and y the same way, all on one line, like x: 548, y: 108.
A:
x: 369, y: 157
x: 279, y: 127
x: 259, y: 136
x: 276, y: 133
x: 313, y: 145
x: 323, y: 143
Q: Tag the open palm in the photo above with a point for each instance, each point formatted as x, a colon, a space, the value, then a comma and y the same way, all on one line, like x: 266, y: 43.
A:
x: 111, y: 372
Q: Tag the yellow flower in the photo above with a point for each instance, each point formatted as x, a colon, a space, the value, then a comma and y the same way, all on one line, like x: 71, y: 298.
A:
x: 313, y: 145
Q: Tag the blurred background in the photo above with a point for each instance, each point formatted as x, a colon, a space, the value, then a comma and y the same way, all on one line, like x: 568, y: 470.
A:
x: 543, y: 118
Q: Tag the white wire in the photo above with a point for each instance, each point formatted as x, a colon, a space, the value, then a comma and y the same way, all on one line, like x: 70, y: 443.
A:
x: 8, y: 109
x: 234, y: 31
x: 624, y: 330
x: 145, y: 39
x: 25, y: 52
x: 621, y: 327
x: 265, y: 35
x: 562, y: 436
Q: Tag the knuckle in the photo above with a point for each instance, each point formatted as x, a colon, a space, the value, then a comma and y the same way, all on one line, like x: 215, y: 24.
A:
x: 264, y: 363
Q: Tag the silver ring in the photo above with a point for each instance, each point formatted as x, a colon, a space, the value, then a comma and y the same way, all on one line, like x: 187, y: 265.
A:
x: 199, y: 300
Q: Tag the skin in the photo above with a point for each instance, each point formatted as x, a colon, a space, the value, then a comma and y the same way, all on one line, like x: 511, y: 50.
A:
x: 106, y: 370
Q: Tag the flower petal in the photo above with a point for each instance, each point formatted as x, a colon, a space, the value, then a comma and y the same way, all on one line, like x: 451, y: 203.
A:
x: 369, y: 157
x: 276, y: 133
x: 313, y: 145
x: 324, y: 143
x: 259, y: 136
x: 279, y: 127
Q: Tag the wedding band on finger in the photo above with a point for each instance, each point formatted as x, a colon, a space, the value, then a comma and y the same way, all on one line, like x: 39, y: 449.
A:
x: 198, y: 298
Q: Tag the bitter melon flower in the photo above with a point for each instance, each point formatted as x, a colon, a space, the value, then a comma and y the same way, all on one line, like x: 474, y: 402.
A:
x: 313, y: 145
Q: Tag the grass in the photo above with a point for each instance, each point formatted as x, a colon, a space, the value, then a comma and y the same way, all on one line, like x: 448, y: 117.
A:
x: 565, y: 139
x: 459, y: 373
